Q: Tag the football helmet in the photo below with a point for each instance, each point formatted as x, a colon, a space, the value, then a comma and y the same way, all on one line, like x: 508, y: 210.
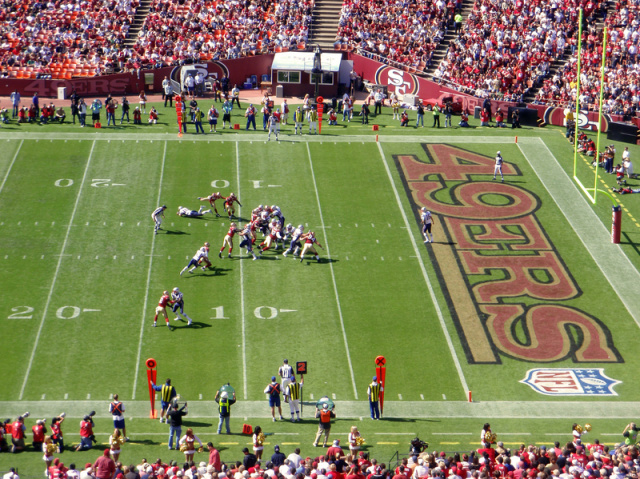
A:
x: 233, y: 224
x: 176, y: 290
x: 207, y: 244
x: 301, y: 227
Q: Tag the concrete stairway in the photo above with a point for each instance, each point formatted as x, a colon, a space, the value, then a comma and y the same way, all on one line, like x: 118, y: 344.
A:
x: 138, y: 21
x: 440, y: 52
x: 324, y: 25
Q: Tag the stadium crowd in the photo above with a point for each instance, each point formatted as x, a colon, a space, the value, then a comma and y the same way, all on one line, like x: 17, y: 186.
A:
x: 175, y: 31
x: 56, y: 37
x: 505, y: 48
x: 576, y: 459
x: 396, y: 32
x: 622, y: 67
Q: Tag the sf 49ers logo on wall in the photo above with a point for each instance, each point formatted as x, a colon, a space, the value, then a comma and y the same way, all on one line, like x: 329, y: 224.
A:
x: 398, y: 81
x: 571, y: 382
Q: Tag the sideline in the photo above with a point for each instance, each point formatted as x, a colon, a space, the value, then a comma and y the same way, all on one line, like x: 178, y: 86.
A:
x: 615, y: 265
x: 351, y: 409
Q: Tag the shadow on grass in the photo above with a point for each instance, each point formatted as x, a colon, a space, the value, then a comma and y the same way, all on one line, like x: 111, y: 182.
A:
x: 186, y: 423
x: 176, y: 232
x: 629, y: 241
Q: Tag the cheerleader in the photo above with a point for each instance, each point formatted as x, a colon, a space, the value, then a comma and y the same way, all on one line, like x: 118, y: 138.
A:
x: 143, y: 101
x: 258, y: 442
x: 116, y: 440
x: 577, y: 432
x: 188, y: 446
x: 49, y: 449
x: 354, y: 443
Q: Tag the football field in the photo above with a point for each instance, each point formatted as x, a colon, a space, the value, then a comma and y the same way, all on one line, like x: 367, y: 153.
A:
x: 520, y: 302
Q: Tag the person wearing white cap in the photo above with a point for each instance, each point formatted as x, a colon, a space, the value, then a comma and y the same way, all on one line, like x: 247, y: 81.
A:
x: 224, y: 408
x: 498, y: 168
x: 324, y: 426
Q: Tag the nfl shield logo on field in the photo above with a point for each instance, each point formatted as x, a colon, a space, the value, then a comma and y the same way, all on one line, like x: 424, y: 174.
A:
x: 571, y: 382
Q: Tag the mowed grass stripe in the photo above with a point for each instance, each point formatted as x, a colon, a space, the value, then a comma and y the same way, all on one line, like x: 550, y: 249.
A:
x: 101, y: 282
x: 13, y: 160
x: 30, y: 196
x: 55, y: 275
x: 149, y: 269
x: 242, y: 314
x: 333, y: 277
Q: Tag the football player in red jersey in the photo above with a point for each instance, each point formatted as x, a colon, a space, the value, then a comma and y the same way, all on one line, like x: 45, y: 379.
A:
x: 228, y: 240
x: 212, y: 200
x: 309, y: 240
x: 228, y: 204
x: 162, y: 308
x: 272, y: 237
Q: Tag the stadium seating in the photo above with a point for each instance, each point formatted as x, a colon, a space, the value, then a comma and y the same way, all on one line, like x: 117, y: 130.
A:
x: 175, y: 31
x: 63, y: 39
x: 389, y: 32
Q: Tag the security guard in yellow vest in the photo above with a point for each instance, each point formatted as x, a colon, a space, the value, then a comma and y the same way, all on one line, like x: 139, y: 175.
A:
x: 298, y: 118
x: 293, y: 391
x: 373, y: 391
x: 224, y: 408
x: 167, y: 393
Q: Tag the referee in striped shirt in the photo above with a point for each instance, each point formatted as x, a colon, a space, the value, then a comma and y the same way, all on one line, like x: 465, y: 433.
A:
x: 286, y: 373
x: 157, y: 216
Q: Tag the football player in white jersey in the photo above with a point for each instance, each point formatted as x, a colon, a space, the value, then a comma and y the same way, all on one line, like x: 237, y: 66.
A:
x: 294, y: 246
x: 157, y: 216
x: 178, y: 304
x: 202, y: 255
x: 498, y: 168
x: 189, y: 213
x: 426, y: 220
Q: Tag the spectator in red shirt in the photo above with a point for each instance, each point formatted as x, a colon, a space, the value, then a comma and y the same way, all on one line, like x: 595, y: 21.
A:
x: 214, y: 457
x: 104, y: 466
x: 400, y: 474
x: 17, y: 434
x: 39, y: 431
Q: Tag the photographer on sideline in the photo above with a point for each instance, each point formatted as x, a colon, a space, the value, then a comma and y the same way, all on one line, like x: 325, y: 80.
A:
x: 174, y: 418
x: 87, y: 437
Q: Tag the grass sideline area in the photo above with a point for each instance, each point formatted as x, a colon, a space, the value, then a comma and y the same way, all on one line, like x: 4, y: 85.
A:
x: 82, y: 272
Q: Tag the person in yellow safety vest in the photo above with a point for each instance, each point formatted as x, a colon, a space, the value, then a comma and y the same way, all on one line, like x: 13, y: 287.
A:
x: 313, y: 120
x: 293, y: 392
x: 167, y: 393
x: 298, y: 118
x: 373, y: 391
x: 324, y: 426
x: 224, y: 408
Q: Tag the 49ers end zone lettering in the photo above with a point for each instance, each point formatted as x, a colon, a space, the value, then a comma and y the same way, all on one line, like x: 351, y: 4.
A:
x: 508, y: 280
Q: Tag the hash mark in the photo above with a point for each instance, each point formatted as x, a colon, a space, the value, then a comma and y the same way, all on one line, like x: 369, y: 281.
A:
x: 444, y: 397
x: 365, y: 258
x: 422, y: 396
x: 382, y: 258
x: 66, y: 395
x: 43, y: 396
x: 88, y: 396
x: 114, y: 256
x: 333, y: 395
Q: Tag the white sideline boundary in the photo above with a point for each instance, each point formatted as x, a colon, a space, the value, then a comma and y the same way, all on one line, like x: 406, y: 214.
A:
x: 333, y: 276
x: 614, y: 264
x: 146, y: 289
x: 244, y: 325
x: 427, y: 281
x: 55, y: 274
x: 477, y: 411
x: 4, y: 180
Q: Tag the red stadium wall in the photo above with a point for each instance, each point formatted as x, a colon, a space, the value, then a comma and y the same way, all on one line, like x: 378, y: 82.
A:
x: 238, y: 71
x: 406, y: 83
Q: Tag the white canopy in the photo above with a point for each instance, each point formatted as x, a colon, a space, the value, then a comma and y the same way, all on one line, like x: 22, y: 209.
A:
x: 304, y: 61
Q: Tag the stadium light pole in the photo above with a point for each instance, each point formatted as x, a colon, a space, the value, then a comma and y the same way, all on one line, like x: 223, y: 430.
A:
x: 317, y: 68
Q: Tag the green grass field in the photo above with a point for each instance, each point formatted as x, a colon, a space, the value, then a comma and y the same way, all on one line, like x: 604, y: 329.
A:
x: 521, y: 276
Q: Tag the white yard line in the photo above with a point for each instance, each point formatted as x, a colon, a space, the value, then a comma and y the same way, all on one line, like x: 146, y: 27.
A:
x: 610, y: 258
x: 146, y: 289
x: 527, y: 410
x: 55, y: 274
x: 4, y: 180
x: 333, y: 276
x: 432, y: 293
x: 244, y: 338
